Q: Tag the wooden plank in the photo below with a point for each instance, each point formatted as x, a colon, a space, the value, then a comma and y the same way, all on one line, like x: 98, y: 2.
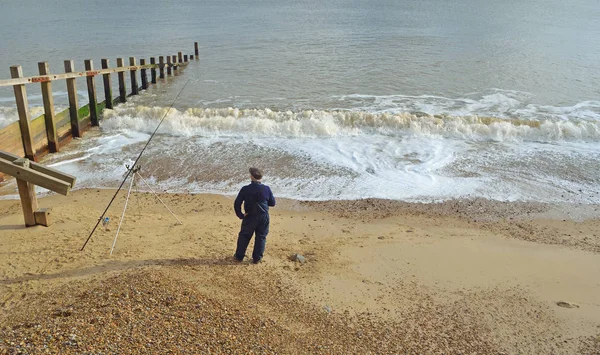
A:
x: 153, y: 70
x: 143, y: 75
x: 196, y: 51
x: 23, y: 110
x: 93, y: 101
x: 72, y: 91
x: 169, y: 65
x: 63, y: 126
x: 133, y: 72
x: 49, y: 118
x: 10, y: 131
x: 34, y: 177
x: 107, y: 88
x: 122, y: 87
x: 26, y: 192
x: 38, y: 131
x: 161, y: 66
x: 71, y: 75
x: 10, y: 139
x: 69, y: 179
x: 63, y: 122
x: 14, y: 147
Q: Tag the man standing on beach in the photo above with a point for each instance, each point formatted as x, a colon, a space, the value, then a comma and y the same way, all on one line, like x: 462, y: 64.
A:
x: 256, y: 198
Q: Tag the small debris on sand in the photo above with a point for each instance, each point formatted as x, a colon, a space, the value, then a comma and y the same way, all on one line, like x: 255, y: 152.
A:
x: 298, y: 258
x: 566, y: 304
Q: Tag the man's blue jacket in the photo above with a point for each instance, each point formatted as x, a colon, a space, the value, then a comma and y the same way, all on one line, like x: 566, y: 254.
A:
x: 256, y: 198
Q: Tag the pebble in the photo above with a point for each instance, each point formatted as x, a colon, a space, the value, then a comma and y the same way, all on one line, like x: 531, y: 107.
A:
x: 299, y: 258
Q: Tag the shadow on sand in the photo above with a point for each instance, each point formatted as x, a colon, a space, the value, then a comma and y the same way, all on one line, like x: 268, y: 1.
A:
x: 120, y: 266
x: 12, y: 227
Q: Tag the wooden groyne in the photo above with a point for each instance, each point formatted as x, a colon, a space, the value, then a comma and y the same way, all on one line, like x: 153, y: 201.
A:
x: 50, y: 131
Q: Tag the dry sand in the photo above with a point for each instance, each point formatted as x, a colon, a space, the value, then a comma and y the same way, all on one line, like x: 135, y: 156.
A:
x: 469, y: 276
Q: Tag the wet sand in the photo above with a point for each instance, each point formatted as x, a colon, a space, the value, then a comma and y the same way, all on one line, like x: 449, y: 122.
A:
x: 380, y: 276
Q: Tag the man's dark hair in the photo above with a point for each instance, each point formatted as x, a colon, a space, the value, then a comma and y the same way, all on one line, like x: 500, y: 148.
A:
x: 257, y: 174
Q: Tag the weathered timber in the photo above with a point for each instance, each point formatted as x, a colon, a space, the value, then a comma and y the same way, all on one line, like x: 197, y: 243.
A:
x: 70, y: 179
x: 72, y: 92
x: 107, y: 88
x: 169, y: 65
x: 196, y: 51
x: 23, y: 110
x: 49, y: 118
x: 72, y: 75
x: 29, y: 201
x: 161, y: 66
x: 175, y: 64
x: 122, y: 87
x: 23, y: 170
x: 93, y: 101
x: 153, y: 70
x: 134, y: 84
x: 179, y: 57
x: 185, y: 58
x: 34, y: 177
x: 143, y: 75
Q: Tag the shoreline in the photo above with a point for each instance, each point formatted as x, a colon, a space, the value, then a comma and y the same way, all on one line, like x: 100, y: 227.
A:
x: 406, y: 272
x: 466, y: 207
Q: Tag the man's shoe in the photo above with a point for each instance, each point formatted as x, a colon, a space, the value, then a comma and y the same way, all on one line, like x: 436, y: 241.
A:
x: 256, y: 261
x: 238, y: 259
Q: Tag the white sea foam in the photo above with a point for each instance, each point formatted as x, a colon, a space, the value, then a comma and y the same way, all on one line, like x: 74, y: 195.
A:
x: 320, y: 123
x: 541, y: 154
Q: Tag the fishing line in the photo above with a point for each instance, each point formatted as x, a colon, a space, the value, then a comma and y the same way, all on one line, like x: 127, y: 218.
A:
x: 134, y: 164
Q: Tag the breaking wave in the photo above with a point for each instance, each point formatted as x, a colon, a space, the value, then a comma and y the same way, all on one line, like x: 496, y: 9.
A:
x: 226, y: 122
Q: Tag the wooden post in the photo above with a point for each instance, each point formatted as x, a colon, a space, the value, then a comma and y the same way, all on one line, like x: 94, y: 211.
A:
x: 91, y: 86
x: 161, y: 66
x: 53, y: 145
x: 175, y: 64
x: 107, y: 88
x: 169, y: 65
x: 153, y: 70
x: 185, y: 58
x: 122, y: 87
x: 179, y: 57
x: 134, y: 85
x: 73, y: 108
x: 143, y: 75
x: 29, y: 201
x: 196, y: 52
x: 23, y: 109
x: 191, y: 56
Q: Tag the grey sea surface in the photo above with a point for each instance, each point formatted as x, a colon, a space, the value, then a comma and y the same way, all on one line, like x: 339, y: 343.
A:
x: 289, y: 53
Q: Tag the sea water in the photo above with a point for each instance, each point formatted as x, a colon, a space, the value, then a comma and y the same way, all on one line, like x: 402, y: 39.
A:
x: 404, y: 100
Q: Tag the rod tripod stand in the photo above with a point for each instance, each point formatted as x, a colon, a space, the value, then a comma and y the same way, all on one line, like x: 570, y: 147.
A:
x: 135, y: 172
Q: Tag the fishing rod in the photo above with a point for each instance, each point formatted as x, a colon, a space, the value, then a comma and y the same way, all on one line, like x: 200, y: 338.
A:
x: 133, y: 166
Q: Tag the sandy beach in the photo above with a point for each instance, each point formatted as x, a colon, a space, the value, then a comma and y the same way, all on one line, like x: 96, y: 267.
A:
x: 466, y: 276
